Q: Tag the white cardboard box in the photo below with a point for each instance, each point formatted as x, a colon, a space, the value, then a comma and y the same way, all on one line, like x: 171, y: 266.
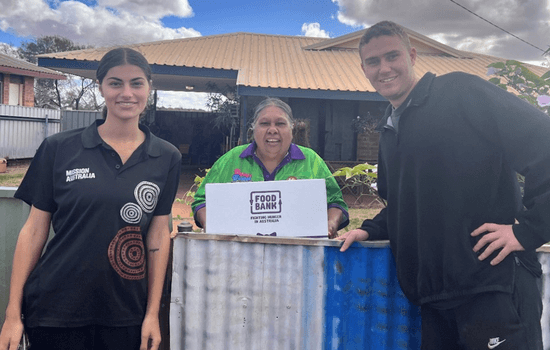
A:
x: 291, y: 208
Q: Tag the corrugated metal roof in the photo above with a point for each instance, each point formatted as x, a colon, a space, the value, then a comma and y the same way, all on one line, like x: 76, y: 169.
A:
x: 30, y: 68
x: 293, y: 62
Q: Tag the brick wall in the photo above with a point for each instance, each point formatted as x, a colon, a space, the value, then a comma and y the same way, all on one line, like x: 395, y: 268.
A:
x: 28, y: 92
x: 6, y: 88
x: 367, y: 147
x: 27, y: 89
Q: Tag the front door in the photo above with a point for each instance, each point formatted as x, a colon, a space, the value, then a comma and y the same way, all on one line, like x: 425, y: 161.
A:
x: 15, y: 94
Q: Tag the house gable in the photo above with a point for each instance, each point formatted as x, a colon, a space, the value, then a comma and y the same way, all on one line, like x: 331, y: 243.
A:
x: 422, y: 44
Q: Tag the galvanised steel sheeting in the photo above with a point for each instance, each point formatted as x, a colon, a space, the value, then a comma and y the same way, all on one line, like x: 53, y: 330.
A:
x: 78, y: 119
x: 21, y: 138
x: 366, y: 308
x: 544, y: 259
x: 29, y: 112
x: 247, y: 292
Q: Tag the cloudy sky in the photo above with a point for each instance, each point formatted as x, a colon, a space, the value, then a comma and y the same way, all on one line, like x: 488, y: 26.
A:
x: 112, y: 22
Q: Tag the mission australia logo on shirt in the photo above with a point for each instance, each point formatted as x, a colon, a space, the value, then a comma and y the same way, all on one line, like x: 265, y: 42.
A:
x: 79, y: 174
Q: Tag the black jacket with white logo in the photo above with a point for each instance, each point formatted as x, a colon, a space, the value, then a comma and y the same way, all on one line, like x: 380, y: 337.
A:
x: 451, y: 168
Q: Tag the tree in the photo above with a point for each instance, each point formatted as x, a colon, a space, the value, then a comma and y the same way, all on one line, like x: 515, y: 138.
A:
x: 73, y: 93
x: 46, y: 44
x: 529, y: 86
x: 225, y: 104
x: 9, y: 50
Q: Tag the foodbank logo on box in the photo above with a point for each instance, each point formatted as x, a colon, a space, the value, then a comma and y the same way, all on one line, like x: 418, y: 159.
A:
x: 265, y: 202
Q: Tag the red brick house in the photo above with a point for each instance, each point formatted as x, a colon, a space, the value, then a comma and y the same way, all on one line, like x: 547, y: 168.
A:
x: 23, y: 126
x: 17, y: 80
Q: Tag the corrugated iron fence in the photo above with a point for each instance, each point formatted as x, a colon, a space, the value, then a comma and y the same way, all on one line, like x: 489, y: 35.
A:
x: 22, y: 129
x: 78, y: 119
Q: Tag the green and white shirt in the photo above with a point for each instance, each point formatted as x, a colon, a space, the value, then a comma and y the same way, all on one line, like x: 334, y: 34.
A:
x: 241, y: 164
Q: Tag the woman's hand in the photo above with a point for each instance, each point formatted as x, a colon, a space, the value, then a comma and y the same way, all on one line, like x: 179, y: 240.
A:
x: 335, y: 217
x: 150, y: 333
x: 333, y: 228
x: 200, y: 216
x: 12, y: 330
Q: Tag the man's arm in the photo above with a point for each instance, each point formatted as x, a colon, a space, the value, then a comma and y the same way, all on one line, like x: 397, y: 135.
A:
x: 352, y: 236
x: 521, y: 132
x: 499, y: 236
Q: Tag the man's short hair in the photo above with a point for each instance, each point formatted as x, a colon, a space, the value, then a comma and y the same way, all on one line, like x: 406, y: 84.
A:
x: 385, y: 28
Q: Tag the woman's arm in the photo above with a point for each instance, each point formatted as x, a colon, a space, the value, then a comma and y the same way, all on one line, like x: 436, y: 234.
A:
x: 200, y: 217
x: 158, y: 251
x: 335, y: 218
x: 30, y: 243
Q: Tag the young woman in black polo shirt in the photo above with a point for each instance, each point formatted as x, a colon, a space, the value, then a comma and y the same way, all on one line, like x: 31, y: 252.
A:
x: 107, y: 191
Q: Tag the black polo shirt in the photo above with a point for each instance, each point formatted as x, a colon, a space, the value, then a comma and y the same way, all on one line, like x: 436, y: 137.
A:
x: 94, y: 269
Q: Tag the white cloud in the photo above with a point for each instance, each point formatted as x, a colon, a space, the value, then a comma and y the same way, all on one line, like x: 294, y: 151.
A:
x: 460, y: 28
x: 147, y: 8
x: 132, y: 22
x: 178, y: 99
x: 484, y: 46
x: 342, y: 18
x: 314, y: 30
x: 441, y: 37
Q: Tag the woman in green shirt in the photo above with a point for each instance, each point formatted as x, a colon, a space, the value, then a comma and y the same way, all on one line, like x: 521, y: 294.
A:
x: 272, y: 156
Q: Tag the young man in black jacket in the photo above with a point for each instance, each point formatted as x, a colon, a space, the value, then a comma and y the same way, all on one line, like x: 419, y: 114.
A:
x: 463, y: 240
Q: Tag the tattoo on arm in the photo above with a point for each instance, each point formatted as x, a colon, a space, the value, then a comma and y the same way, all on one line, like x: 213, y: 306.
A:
x: 153, y: 250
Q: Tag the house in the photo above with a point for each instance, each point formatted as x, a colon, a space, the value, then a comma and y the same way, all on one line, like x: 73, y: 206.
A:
x: 321, y: 79
x: 22, y: 126
x: 17, y: 80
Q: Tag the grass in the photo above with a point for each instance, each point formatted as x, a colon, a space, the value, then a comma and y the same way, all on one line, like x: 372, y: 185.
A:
x: 356, y: 218
x: 10, y: 180
x: 14, y: 173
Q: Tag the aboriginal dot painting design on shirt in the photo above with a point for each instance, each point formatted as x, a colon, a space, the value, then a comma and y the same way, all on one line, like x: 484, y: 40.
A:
x: 126, y: 251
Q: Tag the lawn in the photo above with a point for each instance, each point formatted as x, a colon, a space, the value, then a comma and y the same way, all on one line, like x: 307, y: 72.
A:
x: 356, y: 217
x: 14, y: 175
